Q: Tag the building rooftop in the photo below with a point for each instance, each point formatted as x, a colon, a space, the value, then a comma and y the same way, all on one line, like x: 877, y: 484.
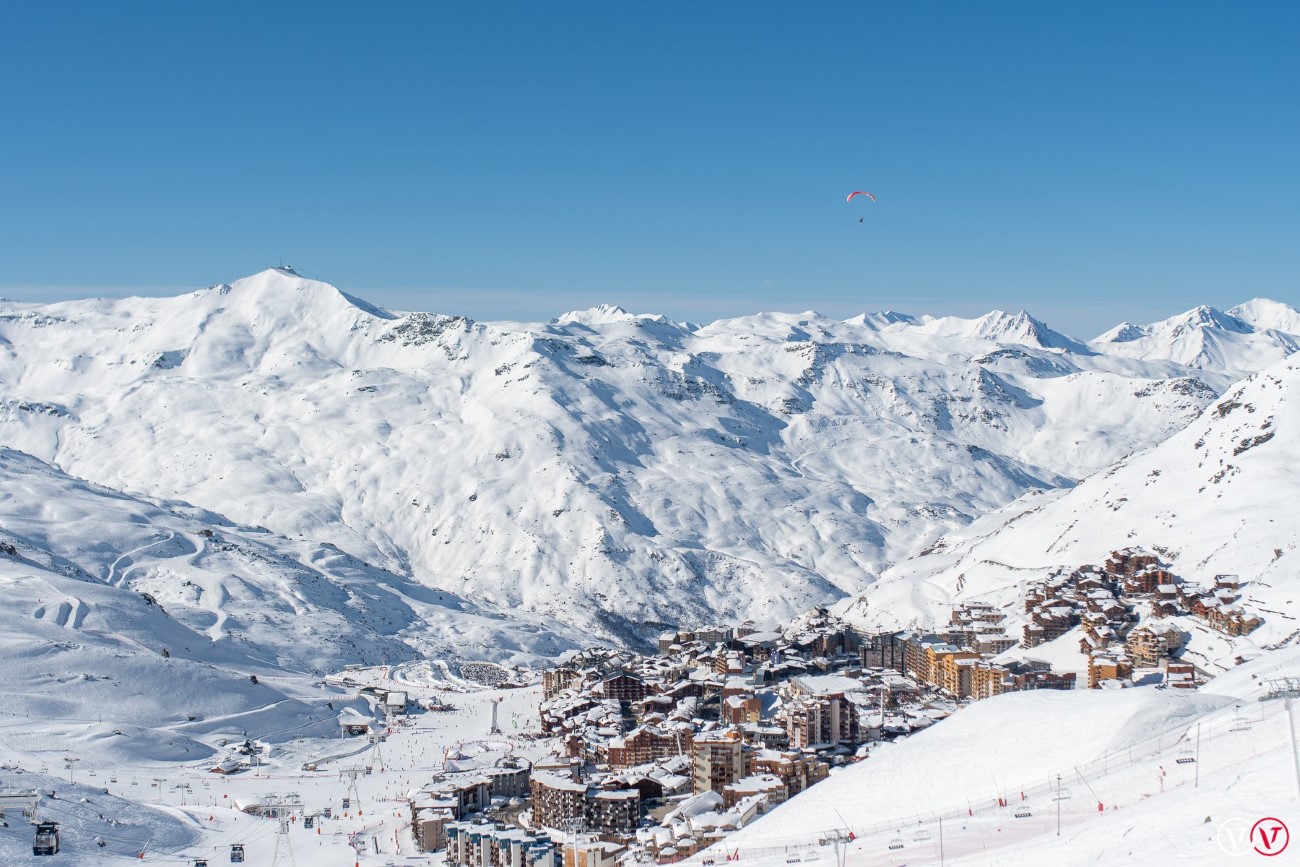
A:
x: 826, y: 684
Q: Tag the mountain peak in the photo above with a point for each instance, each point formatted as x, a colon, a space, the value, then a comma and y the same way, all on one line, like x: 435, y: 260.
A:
x: 1204, y: 316
x: 882, y: 319
x: 1208, y: 338
x: 600, y: 314
x: 1265, y: 314
x: 275, y: 288
x: 1000, y: 326
x: 1122, y: 333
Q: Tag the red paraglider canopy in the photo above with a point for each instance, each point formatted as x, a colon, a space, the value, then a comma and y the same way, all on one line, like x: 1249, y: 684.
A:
x: 860, y: 193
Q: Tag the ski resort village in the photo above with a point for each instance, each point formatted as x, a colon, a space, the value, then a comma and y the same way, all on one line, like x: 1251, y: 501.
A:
x: 294, y: 579
x: 612, y: 757
x: 690, y: 434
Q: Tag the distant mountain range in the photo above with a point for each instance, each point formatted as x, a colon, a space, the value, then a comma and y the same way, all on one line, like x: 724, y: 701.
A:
x: 409, y: 479
x: 1244, y: 339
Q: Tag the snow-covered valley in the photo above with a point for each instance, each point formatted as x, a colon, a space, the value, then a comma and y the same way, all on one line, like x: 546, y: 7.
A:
x: 606, y: 473
x: 213, y: 506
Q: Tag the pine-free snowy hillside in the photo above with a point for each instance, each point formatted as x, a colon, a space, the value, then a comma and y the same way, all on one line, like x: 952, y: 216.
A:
x: 1137, y: 776
x: 1215, y: 498
x: 608, y: 471
x: 170, y: 579
x: 1244, y: 339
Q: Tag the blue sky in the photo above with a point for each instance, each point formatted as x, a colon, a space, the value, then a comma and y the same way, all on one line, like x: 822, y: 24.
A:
x: 1088, y: 162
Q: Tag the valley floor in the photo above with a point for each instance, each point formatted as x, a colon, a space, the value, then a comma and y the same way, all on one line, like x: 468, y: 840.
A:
x: 169, y: 812
x: 1141, y: 775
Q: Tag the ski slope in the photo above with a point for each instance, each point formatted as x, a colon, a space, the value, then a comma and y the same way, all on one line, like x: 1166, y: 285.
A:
x: 1139, y: 776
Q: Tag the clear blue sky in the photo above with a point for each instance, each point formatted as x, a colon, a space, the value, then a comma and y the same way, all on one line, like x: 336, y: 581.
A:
x: 1087, y: 161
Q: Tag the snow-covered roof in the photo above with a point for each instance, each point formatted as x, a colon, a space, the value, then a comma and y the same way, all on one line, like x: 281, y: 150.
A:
x: 826, y: 684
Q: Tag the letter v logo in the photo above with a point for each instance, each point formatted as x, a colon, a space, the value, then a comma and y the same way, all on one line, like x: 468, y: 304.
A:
x: 1234, y: 837
x: 1270, y: 836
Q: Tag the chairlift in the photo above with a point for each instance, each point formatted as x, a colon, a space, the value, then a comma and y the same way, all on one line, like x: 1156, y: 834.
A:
x: 921, y: 836
x: 46, y: 841
x: 896, y: 843
x: 1023, y: 813
x: 1061, y: 795
x: 237, y: 853
x: 1185, y: 756
x: 113, y: 779
x: 1240, y: 723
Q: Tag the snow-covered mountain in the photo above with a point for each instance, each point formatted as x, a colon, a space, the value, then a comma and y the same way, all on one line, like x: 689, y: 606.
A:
x: 170, y: 578
x: 1244, y: 339
x: 606, y: 472
x: 1212, y: 499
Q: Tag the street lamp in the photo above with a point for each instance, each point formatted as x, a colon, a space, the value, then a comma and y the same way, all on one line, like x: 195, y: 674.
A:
x: 884, y: 699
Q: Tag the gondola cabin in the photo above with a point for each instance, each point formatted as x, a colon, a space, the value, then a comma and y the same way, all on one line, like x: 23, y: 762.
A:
x: 46, y: 841
x: 237, y: 853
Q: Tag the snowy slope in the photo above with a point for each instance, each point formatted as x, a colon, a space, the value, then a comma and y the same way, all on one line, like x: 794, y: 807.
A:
x: 608, y: 471
x: 1140, y: 776
x: 1212, y: 499
x: 1244, y: 339
x: 1263, y: 314
x: 169, y: 577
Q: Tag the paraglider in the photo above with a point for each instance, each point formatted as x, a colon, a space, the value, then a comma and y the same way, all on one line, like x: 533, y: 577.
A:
x: 860, y: 193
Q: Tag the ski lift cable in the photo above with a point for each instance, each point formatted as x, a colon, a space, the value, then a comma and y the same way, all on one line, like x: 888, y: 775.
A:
x: 1084, y: 780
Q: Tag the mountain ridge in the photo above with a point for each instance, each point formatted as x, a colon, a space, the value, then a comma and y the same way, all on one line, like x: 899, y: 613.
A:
x: 609, y: 470
x: 1208, y: 500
